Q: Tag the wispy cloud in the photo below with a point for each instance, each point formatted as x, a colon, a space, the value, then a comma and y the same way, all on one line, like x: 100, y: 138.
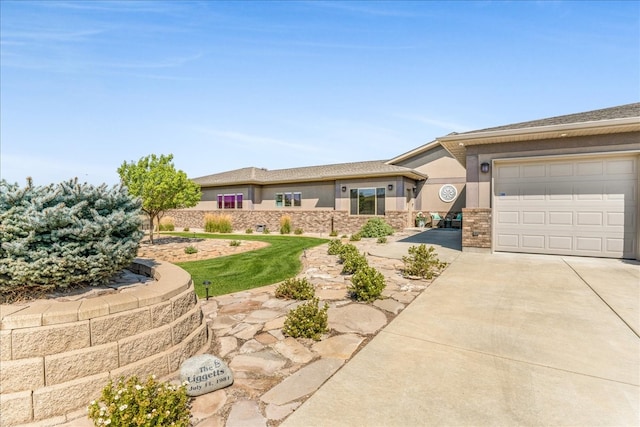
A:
x: 390, y: 9
x: 437, y: 122
x: 247, y: 140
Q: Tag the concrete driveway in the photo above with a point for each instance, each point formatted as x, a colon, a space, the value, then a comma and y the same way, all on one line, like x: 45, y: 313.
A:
x: 499, y: 339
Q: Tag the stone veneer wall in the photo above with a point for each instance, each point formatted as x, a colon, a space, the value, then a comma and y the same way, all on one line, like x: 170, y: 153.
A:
x: 476, y: 229
x: 56, y: 356
x: 309, y: 221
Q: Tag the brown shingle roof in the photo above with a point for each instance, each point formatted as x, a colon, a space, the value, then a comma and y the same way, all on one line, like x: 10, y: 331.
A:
x: 619, y: 112
x: 252, y: 175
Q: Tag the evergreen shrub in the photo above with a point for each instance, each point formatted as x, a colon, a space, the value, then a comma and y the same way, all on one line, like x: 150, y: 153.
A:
x: 235, y: 243
x: 298, y: 231
x: 335, y: 247
x: 367, y: 284
x: 249, y: 231
x: 333, y: 233
x: 376, y: 227
x: 63, y: 235
x: 353, y: 261
x: 294, y: 288
x: 355, y: 237
x: 133, y: 403
x: 189, y: 250
x: 215, y: 223
x: 307, y: 320
x: 422, y: 262
x: 382, y: 240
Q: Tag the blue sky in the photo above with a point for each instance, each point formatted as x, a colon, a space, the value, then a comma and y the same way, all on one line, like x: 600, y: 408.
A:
x: 87, y: 85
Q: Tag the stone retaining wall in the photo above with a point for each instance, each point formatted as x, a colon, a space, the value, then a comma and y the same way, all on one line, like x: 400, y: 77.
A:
x: 309, y: 221
x: 476, y: 229
x: 56, y: 356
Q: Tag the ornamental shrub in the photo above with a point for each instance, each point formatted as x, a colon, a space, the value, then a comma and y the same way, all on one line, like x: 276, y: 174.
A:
x: 215, y: 223
x: 355, y: 237
x: 62, y: 235
x: 333, y: 233
x: 335, y: 247
x: 189, y: 250
x: 285, y: 224
x: 167, y: 223
x: 132, y: 403
x: 376, y: 227
x: 235, y: 243
x: 293, y: 288
x: 307, y: 320
x: 422, y: 262
x: 353, y: 261
x: 346, y: 251
x: 367, y: 284
x: 298, y: 231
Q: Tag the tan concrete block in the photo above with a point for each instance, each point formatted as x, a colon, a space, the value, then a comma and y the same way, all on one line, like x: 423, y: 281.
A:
x: 169, y: 286
x: 5, y: 345
x: 76, y: 364
x: 21, y: 375
x: 144, y: 345
x: 61, y: 312
x: 161, y: 314
x: 117, y: 326
x: 15, y: 408
x: 183, y: 303
x: 190, y: 346
x: 156, y: 365
x: 30, y: 316
x: 70, y: 396
x: 120, y: 302
x: 7, y: 309
x: 48, y: 340
x: 184, y: 326
x: 147, y: 296
x: 92, y: 308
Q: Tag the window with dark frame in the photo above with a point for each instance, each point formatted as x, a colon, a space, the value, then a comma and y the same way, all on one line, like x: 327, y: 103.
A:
x: 289, y: 199
x: 367, y: 201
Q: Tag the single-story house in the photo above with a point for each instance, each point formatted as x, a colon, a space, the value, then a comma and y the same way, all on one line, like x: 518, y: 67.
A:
x: 562, y: 185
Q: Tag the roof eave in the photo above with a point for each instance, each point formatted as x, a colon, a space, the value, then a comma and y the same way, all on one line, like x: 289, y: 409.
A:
x: 456, y: 144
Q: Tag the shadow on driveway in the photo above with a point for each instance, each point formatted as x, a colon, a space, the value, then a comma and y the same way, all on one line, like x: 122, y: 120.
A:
x: 450, y: 238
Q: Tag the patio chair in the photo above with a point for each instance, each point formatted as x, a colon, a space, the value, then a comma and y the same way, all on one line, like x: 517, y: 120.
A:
x: 435, y: 219
x: 457, y: 221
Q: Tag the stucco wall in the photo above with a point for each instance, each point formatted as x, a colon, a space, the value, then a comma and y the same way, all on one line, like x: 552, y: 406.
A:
x: 56, y: 356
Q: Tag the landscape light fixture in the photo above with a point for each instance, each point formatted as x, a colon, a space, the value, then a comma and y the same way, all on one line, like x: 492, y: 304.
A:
x: 484, y: 167
x: 206, y: 284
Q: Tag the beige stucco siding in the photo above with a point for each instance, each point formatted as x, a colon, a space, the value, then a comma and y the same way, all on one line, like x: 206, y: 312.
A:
x: 315, y: 195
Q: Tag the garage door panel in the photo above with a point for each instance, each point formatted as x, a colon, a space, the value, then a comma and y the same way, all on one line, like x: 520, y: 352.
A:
x: 583, y: 207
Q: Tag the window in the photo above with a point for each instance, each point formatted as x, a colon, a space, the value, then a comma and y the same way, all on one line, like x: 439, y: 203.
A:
x: 288, y: 200
x: 230, y: 201
x: 367, y: 201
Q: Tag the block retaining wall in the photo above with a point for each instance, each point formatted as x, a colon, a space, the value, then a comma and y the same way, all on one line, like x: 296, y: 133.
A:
x: 56, y: 356
x: 308, y: 221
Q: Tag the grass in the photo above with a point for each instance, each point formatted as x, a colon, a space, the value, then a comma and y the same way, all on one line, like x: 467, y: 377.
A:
x: 266, y: 266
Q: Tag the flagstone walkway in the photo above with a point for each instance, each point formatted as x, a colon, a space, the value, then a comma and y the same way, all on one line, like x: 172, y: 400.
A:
x: 273, y: 373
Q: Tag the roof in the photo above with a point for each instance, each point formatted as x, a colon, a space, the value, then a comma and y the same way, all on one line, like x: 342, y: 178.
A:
x: 623, y: 118
x: 260, y: 176
x: 404, y: 156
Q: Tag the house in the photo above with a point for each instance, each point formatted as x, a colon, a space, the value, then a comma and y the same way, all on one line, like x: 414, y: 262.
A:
x: 561, y: 185
x: 566, y: 185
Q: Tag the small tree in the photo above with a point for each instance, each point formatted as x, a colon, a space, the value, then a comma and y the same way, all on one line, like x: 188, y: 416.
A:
x: 160, y: 186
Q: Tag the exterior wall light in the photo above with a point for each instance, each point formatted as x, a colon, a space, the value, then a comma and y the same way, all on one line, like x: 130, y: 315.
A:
x: 344, y: 188
x: 415, y: 190
x: 390, y: 187
x: 484, y: 167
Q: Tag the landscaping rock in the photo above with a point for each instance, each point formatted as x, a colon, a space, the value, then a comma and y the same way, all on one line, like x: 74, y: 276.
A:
x: 358, y: 318
x: 338, y: 347
x: 245, y: 413
x: 205, y: 373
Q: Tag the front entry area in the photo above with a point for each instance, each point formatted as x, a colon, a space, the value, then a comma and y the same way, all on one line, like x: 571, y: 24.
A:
x: 581, y: 205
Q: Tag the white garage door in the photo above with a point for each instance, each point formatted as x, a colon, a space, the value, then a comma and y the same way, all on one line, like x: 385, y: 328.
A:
x: 581, y: 206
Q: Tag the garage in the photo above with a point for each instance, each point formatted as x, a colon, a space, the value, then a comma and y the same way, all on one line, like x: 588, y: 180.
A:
x: 585, y: 205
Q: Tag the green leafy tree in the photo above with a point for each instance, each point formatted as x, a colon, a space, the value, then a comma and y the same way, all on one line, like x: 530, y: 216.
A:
x: 160, y: 186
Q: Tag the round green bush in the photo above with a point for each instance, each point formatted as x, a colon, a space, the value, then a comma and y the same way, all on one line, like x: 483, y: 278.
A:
x: 367, y: 284
x: 294, y: 288
x: 307, y: 320
x: 353, y: 262
x: 133, y: 403
x: 64, y: 235
x: 335, y: 246
x: 376, y: 227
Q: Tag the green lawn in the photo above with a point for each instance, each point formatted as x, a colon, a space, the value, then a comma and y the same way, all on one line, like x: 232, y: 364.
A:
x: 272, y: 264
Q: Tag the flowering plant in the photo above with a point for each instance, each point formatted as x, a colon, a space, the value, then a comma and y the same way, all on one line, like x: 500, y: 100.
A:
x: 131, y: 403
x: 420, y: 215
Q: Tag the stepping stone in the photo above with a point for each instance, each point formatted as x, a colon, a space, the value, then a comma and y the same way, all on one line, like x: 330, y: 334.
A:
x: 251, y: 346
x: 274, y: 324
x: 278, y: 412
x: 261, y: 316
x: 390, y: 305
x: 293, y: 350
x: 245, y: 331
x: 264, y: 362
x: 358, y: 318
x: 305, y: 381
x: 266, y: 338
x: 332, y: 294
x: 227, y: 345
x: 208, y: 404
x: 240, y: 307
x: 245, y: 413
x: 276, y: 303
x: 223, y: 322
x: 338, y: 347
x: 405, y: 297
